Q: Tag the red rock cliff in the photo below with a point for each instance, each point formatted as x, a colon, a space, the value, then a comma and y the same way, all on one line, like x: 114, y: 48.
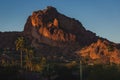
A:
x: 53, y: 28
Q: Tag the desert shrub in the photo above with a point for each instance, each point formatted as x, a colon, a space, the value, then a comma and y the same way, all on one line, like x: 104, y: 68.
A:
x: 71, y: 64
x: 38, y: 68
x: 103, y: 72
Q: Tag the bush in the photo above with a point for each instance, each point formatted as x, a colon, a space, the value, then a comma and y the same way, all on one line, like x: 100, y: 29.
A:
x: 103, y: 72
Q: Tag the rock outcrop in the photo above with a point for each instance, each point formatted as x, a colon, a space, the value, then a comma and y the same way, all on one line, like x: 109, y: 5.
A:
x: 102, y: 51
x: 54, y: 34
x: 67, y: 36
x: 50, y: 27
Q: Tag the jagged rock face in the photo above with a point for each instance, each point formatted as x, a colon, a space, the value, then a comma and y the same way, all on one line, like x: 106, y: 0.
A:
x: 66, y: 35
x: 50, y: 27
x: 102, y: 50
x: 54, y: 34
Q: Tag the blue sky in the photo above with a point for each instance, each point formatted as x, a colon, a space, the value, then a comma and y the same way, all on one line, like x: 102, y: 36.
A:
x: 99, y: 16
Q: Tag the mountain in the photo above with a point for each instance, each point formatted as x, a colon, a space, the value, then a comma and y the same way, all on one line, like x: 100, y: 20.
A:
x: 54, y: 34
x: 7, y: 39
x: 101, y: 52
x: 55, y: 29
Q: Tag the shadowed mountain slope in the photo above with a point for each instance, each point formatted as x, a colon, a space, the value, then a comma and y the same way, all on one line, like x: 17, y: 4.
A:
x: 54, y: 34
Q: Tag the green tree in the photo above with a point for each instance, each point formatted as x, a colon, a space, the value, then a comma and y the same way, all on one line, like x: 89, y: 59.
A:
x: 28, y: 58
x: 20, y: 46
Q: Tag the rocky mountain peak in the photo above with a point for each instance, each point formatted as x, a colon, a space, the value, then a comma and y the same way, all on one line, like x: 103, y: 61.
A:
x: 51, y: 27
x: 54, y: 34
x: 102, y: 51
x: 41, y: 17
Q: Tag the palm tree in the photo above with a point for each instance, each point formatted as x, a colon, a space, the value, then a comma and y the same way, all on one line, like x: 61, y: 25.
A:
x: 20, y: 46
x: 29, y: 57
x: 80, y: 70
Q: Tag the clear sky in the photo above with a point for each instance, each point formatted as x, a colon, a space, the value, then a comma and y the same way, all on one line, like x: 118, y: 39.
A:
x: 99, y: 16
